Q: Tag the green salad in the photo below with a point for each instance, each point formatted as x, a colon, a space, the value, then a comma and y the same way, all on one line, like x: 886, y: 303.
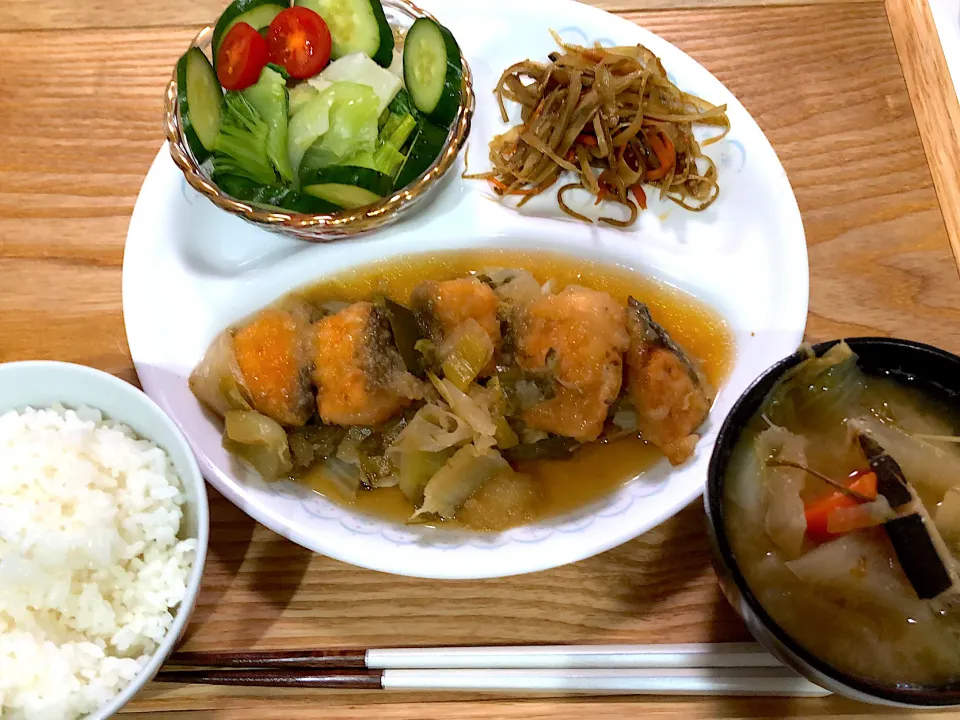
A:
x: 312, y: 108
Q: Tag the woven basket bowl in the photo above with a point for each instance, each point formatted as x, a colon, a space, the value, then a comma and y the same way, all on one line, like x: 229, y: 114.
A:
x: 333, y: 226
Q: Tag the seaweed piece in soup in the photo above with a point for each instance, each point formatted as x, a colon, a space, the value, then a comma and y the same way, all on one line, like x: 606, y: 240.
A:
x: 918, y: 555
x: 670, y: 397
x: 916, y: 541
x: 360, y: 376
x: 890, y: 481
x: 586, y: 329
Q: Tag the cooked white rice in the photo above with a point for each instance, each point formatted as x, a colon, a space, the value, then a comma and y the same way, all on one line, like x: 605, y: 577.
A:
x: 91, y: 568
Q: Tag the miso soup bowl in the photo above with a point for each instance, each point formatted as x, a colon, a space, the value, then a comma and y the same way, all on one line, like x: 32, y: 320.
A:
x: 890, y: 357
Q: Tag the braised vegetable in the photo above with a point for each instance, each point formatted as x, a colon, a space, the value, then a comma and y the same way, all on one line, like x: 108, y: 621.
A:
x: 417, y: 467
x: 461, y: 476
x: 432, y: 429
x: 259, y: 440
x: 550, y: 448
x: 313, y: 443
x: 470, y: 353
x: 607, y: 109
x: 406, y: 333
x: 217, y: 381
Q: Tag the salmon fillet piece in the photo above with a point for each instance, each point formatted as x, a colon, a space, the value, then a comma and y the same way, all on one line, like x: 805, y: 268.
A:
x: 586, y: 329
x: 671, y: 398
x: 358, y: 370
x: 272, y: 359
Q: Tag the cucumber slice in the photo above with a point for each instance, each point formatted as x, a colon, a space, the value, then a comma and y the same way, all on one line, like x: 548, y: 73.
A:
x: 426, y: 147
x: 356, y: 26
x: 256, y: 13
x: 346, y: 186
x: 273, y: 196
x: 345, y: 197
x: 199, y: 98
x: 432, y: 70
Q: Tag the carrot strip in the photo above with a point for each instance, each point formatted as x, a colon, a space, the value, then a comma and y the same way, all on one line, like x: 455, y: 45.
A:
x: 819, y: 511
x: 666, y: 154
x: 588, y: 140
x: 640, y: 195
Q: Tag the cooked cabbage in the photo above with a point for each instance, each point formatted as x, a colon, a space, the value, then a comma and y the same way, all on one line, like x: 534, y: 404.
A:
x: 217, y: 381
x: 417, y: 467
x: 260, y: 441
x: 463, y: 406
x: 785, y: 521
x: 432, y: 429
x: 458, y: 479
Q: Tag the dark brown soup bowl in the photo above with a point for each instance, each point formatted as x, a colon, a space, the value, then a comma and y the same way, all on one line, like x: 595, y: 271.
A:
x: 924, y: 366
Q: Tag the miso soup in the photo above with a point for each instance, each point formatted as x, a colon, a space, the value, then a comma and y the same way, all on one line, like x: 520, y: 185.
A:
x: 842, y: 507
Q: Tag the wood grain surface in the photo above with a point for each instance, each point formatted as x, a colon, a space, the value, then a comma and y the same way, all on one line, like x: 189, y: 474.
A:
x: 824, y: 81
x: 934, y: 101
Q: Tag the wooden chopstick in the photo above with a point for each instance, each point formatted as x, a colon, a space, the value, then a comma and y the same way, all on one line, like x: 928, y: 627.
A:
x: 694, y: 669
x: 689, y: 681
x: 694, y: 655
x: 330, y: 678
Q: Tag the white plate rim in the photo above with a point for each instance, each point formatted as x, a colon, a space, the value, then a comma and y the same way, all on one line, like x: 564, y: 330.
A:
x: 531, y: 561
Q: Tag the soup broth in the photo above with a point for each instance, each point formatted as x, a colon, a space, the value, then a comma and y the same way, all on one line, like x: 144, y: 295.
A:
x: 843, y: 589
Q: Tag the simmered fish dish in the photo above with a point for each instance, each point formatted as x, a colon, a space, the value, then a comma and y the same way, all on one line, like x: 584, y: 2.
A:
x: 454, y: 388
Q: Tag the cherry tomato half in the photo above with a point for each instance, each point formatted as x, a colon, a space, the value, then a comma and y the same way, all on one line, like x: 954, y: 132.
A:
x: 242, y: 55
x: 299, y: 40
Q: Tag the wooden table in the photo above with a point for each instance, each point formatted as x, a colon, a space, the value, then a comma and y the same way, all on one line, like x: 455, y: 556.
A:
x: 855, y: 97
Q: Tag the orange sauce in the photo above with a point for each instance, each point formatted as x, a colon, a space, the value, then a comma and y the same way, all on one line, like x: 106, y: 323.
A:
x: 595, y: 470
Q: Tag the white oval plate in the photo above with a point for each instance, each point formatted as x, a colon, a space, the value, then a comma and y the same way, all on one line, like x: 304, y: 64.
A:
x: 190, y: 270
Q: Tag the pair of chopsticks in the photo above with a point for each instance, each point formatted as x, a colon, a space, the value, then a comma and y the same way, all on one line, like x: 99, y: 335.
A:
x: 694, y: 669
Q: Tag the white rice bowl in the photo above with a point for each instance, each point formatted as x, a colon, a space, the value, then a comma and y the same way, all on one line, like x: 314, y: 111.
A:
x: 91, y: 564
